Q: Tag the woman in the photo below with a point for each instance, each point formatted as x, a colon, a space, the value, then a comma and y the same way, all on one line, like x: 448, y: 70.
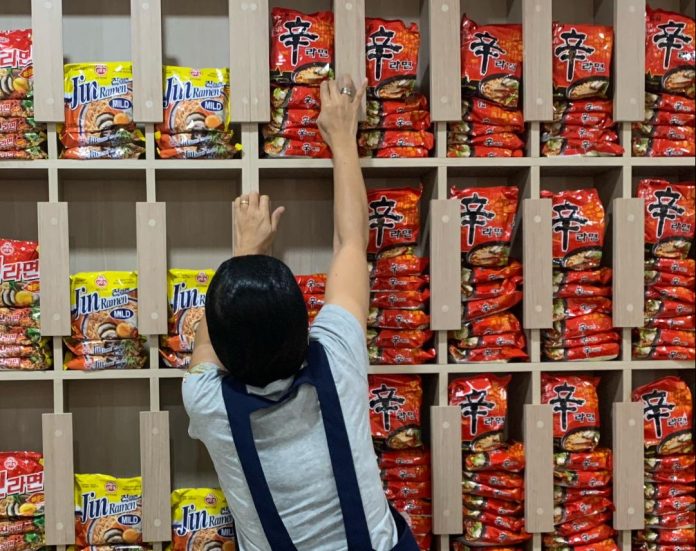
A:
x: 283, y: 411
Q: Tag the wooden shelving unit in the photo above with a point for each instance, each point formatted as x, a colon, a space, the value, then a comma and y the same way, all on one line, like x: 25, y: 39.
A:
x: 155, y: 214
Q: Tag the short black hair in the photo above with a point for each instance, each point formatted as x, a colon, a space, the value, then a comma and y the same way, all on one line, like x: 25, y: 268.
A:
x: 257, y: 319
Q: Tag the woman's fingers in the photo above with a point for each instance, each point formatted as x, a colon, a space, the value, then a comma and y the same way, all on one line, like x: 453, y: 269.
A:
x: 275, y: 217
x: 254, y: 200
x: 244, y: 202
x: 324, y: 92
x: 361, y: 92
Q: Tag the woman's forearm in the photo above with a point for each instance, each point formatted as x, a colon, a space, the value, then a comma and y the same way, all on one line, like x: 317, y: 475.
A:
x: 350, y: 198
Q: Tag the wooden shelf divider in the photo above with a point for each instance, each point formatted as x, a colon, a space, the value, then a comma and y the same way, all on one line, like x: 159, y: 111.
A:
x: 445, y: 265
x: 537, y: 263
x: 156, y: 473
x: 627, y: 421
x: 538, y: 474
x: 628, y: 290
x: 629, y: 60
x: 59, y: 475
x: 146, y: 48
x: 47, y: 51
x: 537, y: 81
x: 446, y: 446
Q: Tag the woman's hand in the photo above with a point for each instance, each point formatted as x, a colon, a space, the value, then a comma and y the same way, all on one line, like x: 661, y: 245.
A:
x: 338, y: 121
x: 254, y: 225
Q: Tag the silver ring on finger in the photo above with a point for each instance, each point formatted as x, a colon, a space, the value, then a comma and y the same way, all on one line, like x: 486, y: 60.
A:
x: 346, y: 91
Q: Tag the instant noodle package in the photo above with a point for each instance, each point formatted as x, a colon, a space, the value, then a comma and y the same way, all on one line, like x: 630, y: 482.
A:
x: 583, y: 110
x: 22, y: 522
x: 201, y: 521
x: 313, y: 287
x: 670, y: 222
x: 186, y: 291
x: 582, y: 305
x: 99, y: 112
x: 108, y: 512
x: 670, y: 77
x: 492, y: 124
x: 104, y: 322
x: 196, y: 119
x: 302, y: 56
x: 670, y: 498
x: 21, y: 344
x: 490, y: 279
x: 398, y: 325
x: 395, y: 403
x: 21, y: 138
x: 398, y: 119
x: 493, y: 476
x: 582, y: 470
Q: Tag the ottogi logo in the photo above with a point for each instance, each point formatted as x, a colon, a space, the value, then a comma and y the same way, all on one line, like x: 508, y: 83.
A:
x: 7, y: 249
x: 101, y: 281
x: 202, y: 278
x: 10, y: 463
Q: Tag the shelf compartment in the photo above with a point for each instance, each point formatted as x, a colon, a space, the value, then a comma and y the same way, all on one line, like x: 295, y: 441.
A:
x: 106, y: 420
x: 22, y: 403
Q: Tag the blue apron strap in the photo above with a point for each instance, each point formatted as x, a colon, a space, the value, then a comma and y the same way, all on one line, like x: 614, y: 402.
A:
x: 240, y: 405
x: 354, y: 519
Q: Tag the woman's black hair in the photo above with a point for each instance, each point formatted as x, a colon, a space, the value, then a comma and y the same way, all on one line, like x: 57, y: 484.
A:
x: 257, y: 319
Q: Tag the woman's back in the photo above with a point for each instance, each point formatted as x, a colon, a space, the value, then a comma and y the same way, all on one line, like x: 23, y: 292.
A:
x: 292, y: 447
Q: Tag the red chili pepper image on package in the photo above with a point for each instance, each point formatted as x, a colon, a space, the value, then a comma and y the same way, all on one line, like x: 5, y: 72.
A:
x: 575, y: 407
x: 487, y: 218
x: 394, y: 217
x: 670, y: 217
x: 582, y: 60
x: 669, y: 52
x: 391, y: 52
x: 482, y: 400
x: 395, y: 410
x: 667, y: 416
x: 578, y: 228
x: 491, y: 60
x: 302, y: 47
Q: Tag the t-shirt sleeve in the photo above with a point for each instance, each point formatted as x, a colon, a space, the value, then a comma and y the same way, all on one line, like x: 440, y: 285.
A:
x: 342, y: 338
x: 201, y: 394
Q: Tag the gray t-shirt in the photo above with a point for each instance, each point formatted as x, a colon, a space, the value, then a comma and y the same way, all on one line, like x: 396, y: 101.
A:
x: 292, y: 446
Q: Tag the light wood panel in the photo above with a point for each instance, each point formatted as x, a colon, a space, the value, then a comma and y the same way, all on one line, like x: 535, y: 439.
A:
x: 628, y: 287
x: 629, y: 60
x: 146, y: 46
x: 445, y: 80
x: 349, y: 18
x: 47, y: 25
x: 151, y: 219
x: 58, y: 478
x: 155, y: 469
x: 537, y: 82
x: 537, y: 263
x: 445, y: 272
x: 54, y: 268
x: 538, y: 474
x: 445, y: 423
x: 627, y: 420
